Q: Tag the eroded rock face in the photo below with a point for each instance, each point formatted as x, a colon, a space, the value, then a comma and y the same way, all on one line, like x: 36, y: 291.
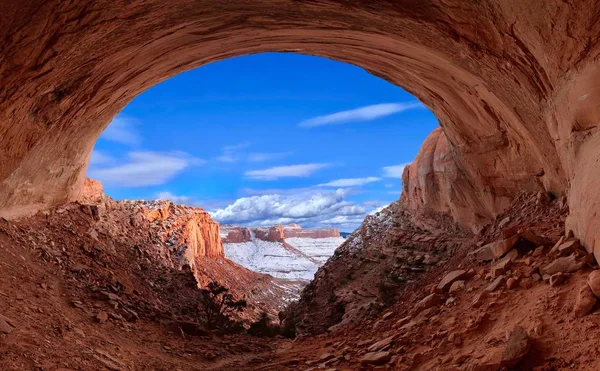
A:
x: 512, y: 84
x: 277, y: 233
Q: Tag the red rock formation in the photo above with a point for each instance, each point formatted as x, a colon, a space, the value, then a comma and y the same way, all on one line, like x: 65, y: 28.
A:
x: 435, y: 181
x: 92, y: 192
x: 310, y: 233
x: 511, y: 82
x: 277, y: 233
x: 191, y: 230
x: 236, y: 234
x: 273, y: 234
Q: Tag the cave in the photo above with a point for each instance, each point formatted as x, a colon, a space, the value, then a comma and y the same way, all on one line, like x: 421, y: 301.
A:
x: 513, y: 92
x: 512, y: 84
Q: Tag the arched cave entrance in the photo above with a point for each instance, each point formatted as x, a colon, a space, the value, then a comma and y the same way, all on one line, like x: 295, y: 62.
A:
x: 511, y: 82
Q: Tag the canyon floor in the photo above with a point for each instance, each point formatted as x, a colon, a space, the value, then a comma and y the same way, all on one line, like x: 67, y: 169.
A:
x: 88, y: 287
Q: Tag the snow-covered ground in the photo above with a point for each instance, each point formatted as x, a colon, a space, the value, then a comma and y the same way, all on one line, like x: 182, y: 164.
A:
x: 300, y: 262
x: 319, y: 249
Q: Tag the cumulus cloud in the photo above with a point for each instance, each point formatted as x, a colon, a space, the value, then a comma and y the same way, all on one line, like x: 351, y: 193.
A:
x: 144, y: 169
x: 350, y: 182
x: 290, y: 171
x: 122, y: 130
x: 394, y: 171
x: 266, y: 208
x: 367, y: 113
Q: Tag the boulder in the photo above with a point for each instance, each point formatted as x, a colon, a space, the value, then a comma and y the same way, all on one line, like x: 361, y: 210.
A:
x: 381, y: 344
x: 557, y: 279
x: 495, y: 284
x: 567, y: 248
x: 449, y: 279
x: 533, y: 238
x: 456, y: 287
x: 511, y: 283
x: 495, y: 250
x: 517, y: 347
x: 102, y: 317
x: 499, y: 268
x: 585, y: 301
x: 539, y: 251
x: 593, y: 281
x: 429, y: 301
x: 565, y: 264
x: 376, y: 358
x: 6, y: 325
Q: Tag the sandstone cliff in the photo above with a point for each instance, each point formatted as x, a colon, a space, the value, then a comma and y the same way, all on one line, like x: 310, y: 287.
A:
x: 434, y: 181
x: 182, y: 238
x: 277, y: 233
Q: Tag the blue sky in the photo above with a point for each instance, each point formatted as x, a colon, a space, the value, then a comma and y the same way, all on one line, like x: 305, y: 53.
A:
x: 264, y: 139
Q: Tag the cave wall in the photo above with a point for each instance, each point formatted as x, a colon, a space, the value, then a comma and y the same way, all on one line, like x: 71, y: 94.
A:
x: 511, y: 82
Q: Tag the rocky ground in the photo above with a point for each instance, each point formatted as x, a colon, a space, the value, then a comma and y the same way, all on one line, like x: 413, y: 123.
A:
x: 89, y: 288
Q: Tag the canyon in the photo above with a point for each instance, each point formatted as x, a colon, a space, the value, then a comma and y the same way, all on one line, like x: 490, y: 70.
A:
x: 288, y: 252
x: 487, y: 261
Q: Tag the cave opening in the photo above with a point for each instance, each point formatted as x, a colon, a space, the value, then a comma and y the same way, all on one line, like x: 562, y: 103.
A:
x: 511, y: 83
x: 284, y: 150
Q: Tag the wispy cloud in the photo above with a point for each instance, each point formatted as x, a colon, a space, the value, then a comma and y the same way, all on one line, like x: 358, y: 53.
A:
x: 144, y: 169
x: 394, y: 171
x: 122, y: 130
x: 231, y: 153
x: 366, y: 113
x: 290, y: 171
x: 350, y: 182
x: 238, y: 152
x: 99, y: 158
x: 265, y: 156
x: 166, y: 195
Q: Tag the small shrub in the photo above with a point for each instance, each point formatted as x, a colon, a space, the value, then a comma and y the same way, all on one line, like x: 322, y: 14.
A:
x: 218, y: 305
x: 264, y: 327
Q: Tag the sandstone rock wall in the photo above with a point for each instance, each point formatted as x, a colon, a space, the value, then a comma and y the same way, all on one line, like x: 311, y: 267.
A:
x: 311, y: 233
x: 435, y: 181
x: 92, y: 192
x: 189, y: 230
x: 512, y: 83
x: 235, y: 234
x: 201, y: 235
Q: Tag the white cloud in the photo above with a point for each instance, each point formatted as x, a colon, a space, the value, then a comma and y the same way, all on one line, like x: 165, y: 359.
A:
x: 273, y: 173
x: 275, y: 206
x: 99, y: 158
x: 262, y: 157
x: 231, y: 152
x: 350, y: 182
x: 237, y: 152
x: 311, y: 209
x: 366, y: 113
x: 166, y: 195
x: 394, y: 171
x: 344, y: 220
x: 122, y: 130
x: 144, y: 169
